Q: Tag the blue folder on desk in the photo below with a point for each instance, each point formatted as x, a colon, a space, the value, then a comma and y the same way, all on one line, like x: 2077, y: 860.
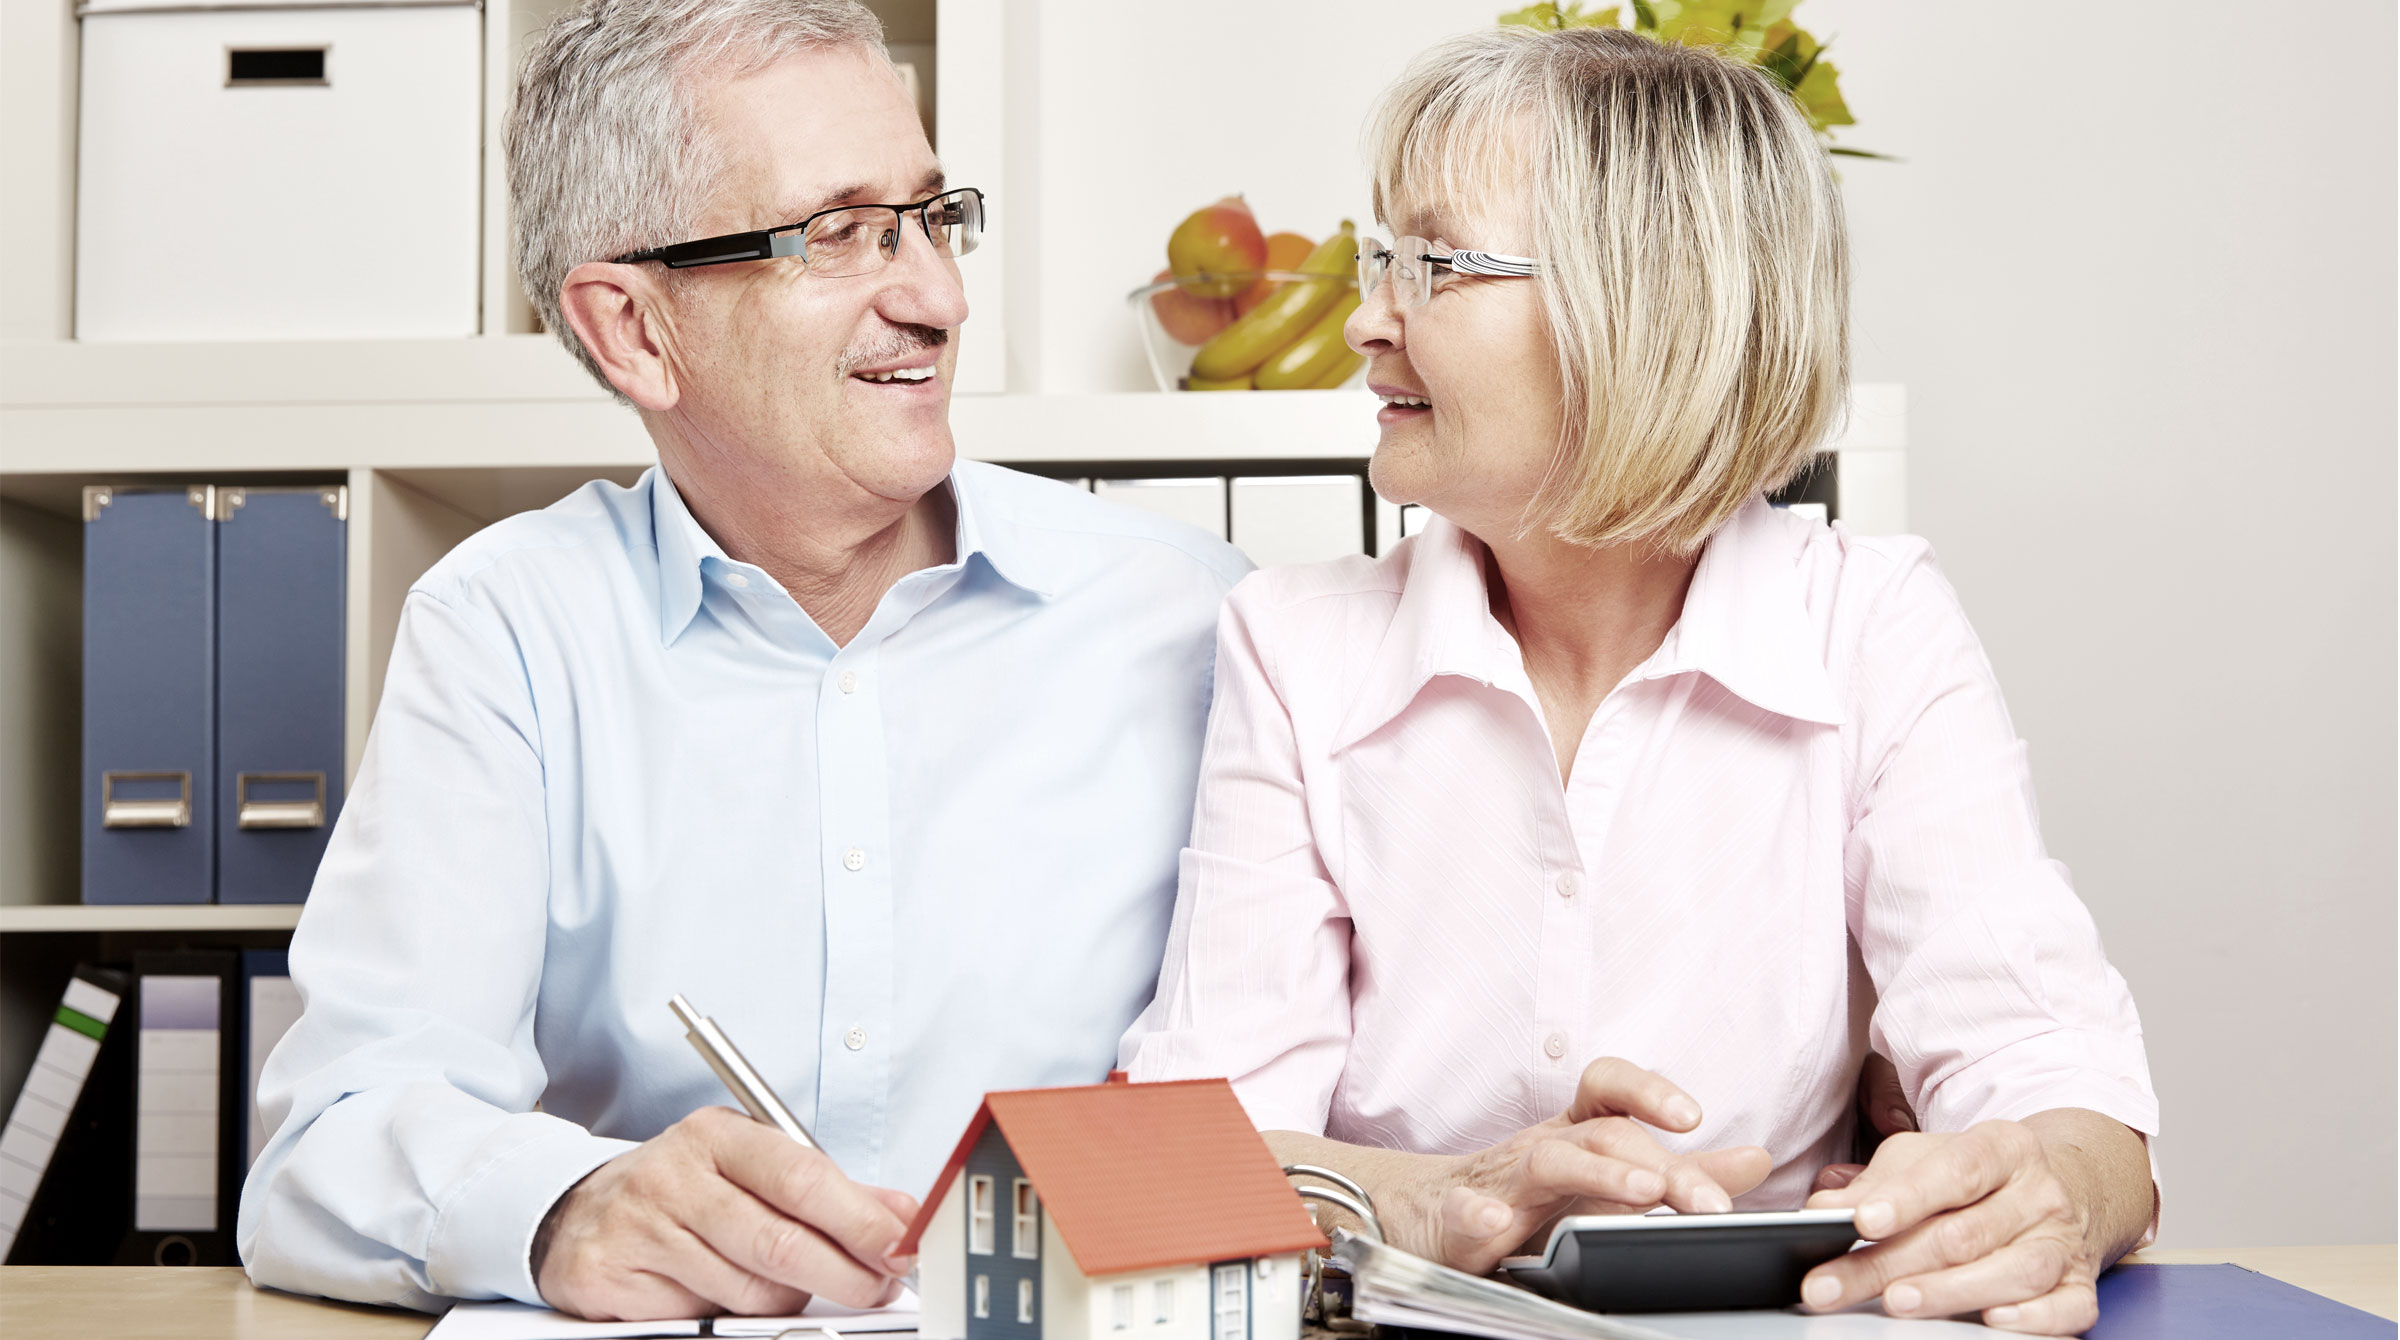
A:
x: 2147, y: 1302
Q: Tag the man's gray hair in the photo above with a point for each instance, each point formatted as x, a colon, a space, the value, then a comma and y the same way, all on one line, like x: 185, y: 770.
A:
x: 606, y: 150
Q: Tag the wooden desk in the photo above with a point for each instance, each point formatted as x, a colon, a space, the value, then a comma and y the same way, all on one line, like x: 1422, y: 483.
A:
x: 171, y: 1303
x: 153, y: 1303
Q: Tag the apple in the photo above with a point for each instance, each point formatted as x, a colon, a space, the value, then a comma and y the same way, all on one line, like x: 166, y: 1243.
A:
x: 1214, y: 241
x: 1188, y: 319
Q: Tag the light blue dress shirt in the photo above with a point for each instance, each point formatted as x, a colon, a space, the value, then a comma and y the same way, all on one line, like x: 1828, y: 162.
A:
x: 612, y: 764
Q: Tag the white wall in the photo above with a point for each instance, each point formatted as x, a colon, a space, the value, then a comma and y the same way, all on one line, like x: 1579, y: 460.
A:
x: 2137, y: 276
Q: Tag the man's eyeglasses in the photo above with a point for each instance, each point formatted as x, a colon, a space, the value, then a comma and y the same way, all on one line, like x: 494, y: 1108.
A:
x: 835, y: 243
x: 1410, y: 262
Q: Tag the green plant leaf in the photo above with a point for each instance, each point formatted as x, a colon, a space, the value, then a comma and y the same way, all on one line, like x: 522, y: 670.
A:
x: 1758, y: 32
x: 1820, y: 95
x: 1551, y: 16
x: 1543, y: 15
x: 1785, y: 59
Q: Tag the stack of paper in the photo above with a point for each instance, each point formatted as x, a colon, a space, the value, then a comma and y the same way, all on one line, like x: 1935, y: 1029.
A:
x: 516, y: 1321
x: 1391, y: 1287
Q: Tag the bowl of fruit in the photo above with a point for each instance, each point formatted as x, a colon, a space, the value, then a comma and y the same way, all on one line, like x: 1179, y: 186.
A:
x: 1238, y: 309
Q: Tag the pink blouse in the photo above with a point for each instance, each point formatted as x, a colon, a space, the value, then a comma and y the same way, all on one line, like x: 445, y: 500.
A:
x: 1803, y: 826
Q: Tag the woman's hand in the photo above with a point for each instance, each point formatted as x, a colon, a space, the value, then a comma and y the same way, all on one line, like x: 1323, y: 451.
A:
x: 1883, y: 1105
x: 1595, y: 1158
x: 2014, y: 1220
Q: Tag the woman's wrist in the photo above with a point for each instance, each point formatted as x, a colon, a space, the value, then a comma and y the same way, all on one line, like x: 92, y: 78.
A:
x: 2106, y: 1170
x: 1405, y: 1189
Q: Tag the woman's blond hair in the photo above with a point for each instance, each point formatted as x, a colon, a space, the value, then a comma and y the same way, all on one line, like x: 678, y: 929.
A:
x: 1695, y: 272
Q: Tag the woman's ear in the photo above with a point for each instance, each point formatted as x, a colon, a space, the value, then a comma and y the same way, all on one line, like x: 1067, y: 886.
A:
x: 617, y: 312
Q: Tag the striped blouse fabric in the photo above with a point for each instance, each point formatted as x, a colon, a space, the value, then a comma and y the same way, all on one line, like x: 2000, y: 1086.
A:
x: 1802, y: 827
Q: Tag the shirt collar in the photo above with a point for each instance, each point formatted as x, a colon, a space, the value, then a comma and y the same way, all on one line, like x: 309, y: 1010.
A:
x: 686, y: 550
x: 1744, y: 624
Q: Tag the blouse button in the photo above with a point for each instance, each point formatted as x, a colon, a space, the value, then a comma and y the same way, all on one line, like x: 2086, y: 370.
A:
x: 1555, y: 1045
x: 1566, y: 885
x: 854, y: 859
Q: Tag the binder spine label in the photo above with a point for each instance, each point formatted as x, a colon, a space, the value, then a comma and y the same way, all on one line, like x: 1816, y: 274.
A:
x: 176, y: 1120
x: 47, y: 1101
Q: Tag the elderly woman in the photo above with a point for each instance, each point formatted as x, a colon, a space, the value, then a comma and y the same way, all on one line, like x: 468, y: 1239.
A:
x: 1618, y: 761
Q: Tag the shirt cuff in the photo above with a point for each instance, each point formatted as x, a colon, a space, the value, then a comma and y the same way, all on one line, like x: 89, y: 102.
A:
x: 482, y: 1244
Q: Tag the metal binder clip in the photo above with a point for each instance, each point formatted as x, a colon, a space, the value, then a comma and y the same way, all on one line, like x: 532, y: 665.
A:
x: 1315, y: 1303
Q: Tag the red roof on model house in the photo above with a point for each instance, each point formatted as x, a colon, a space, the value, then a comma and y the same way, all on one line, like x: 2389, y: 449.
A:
x: 1139, y: 1176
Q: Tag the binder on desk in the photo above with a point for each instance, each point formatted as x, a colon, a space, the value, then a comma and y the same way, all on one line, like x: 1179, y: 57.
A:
x: 187, y: 1101
x: 280, y: 593
x: 270, y: 1006
x: 149, y: 661
x: 2163, y: 1302
x: 65, y: 1165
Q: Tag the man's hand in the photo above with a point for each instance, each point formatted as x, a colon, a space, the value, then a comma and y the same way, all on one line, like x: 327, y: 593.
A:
x: 718, y: 1214
x: 1595, y: 1158
x: 2014, y: 1220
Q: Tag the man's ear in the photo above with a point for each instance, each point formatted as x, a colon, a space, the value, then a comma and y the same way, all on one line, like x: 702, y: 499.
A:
x: 617, y: 312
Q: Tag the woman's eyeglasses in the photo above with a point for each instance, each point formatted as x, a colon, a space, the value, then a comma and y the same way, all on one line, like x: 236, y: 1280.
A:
x: 835, y: 243
x: 1410, y: 262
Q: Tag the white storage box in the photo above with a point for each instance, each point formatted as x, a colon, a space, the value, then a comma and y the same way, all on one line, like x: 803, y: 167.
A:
x: 254, y: 172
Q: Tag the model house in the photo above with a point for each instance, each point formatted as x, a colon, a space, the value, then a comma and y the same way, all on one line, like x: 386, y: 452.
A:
x: 1111, y: 1212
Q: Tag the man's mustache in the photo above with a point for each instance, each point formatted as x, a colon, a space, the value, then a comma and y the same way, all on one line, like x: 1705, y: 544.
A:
x: 903, y: 341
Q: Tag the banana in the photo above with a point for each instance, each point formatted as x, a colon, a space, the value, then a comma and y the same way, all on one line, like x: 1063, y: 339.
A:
x: 1341, y: 374
x: 1288, y: 311
x: 1320, y: 349
x: 1221, y: 384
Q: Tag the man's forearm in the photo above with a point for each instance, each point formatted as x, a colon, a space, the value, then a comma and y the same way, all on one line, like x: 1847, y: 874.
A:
x: 2107, y: 1168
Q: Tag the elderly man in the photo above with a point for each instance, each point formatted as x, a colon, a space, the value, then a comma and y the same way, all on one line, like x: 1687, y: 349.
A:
x: 884, y: 759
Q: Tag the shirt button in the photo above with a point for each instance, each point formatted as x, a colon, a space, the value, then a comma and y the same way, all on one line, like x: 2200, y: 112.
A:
x: 854, y: 859
x: 1566, y: 885
x: 855, y: 1039
x: 736, y: 580
x: 1555, y: 1045
x: 849, y: 681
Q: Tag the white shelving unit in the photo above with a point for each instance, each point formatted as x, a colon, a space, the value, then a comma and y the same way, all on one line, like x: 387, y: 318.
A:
x: 202, y: 917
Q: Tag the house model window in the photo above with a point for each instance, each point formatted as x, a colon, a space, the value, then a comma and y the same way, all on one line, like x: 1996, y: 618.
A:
x: 1025, y: 1301
x: 1121, y: 1300
x: 1163, y: 1299
x: 983, y: 1295
x: 979, y: 1218
x: 1025, y: 1241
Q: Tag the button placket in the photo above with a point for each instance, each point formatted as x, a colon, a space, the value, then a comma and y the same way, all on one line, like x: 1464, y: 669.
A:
x: 854, y: 821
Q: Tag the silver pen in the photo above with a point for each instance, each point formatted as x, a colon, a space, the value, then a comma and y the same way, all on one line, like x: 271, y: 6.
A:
x: 747, y: 1084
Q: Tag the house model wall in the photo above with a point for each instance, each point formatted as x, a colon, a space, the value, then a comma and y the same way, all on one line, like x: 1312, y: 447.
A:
x: 993, y: 1263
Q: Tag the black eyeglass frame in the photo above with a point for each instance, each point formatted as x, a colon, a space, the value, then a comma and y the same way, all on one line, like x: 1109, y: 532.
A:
x: 790, y: 239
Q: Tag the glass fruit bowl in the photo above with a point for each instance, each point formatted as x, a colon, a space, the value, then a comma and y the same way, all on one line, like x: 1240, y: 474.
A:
x: 1289, y: 349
